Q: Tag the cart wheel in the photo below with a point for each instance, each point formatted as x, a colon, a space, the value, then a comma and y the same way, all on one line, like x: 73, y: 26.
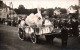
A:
x: 21, y: 34
x: 34, y: 38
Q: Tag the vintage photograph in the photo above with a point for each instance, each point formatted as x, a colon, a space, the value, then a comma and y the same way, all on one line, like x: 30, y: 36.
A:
x: 39, y: 24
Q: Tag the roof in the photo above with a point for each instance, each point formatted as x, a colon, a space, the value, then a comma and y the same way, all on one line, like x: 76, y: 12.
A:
x: 73, y: 7
x: 12, y: 12
x: 3, y: 5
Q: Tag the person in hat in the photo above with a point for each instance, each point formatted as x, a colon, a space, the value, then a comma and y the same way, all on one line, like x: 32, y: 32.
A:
x: 46, y: 21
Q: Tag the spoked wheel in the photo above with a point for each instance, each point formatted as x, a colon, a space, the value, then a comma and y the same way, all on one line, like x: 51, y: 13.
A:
x: 21, y: 34
x: 34, y: 38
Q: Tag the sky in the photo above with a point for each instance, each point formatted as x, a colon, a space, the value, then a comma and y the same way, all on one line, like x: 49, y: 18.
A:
x: 42, y: 3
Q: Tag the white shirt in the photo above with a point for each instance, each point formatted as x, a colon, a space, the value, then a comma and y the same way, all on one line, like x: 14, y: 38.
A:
x: 47, y: 22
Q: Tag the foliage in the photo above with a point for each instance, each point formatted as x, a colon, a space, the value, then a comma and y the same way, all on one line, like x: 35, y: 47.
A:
x: 63, y: 11
x: 21, y: 7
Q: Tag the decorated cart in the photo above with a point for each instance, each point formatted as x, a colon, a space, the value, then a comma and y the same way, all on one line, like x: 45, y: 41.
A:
x: 35, y: 32
x: 34, y: 28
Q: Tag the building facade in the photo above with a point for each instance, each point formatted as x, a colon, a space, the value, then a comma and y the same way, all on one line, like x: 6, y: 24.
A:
x: 4, y: 10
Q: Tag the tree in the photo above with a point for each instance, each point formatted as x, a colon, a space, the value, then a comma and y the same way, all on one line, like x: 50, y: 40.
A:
x: 50, y: 11
x: 76, y: 7
x: 63, y: 11
x: 21, y: 7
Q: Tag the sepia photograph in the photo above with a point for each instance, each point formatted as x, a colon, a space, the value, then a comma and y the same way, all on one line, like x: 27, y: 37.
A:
x: 39, y: 24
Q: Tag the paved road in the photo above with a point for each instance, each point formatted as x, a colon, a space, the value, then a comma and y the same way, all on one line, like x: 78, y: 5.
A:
x: 9, y: 41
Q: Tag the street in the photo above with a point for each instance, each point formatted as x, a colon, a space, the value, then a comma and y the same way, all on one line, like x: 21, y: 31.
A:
x: 9, y: 41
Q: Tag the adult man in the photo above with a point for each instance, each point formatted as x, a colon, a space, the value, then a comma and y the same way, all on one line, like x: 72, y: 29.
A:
x: 75, y: 29
x: 64, y: 36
